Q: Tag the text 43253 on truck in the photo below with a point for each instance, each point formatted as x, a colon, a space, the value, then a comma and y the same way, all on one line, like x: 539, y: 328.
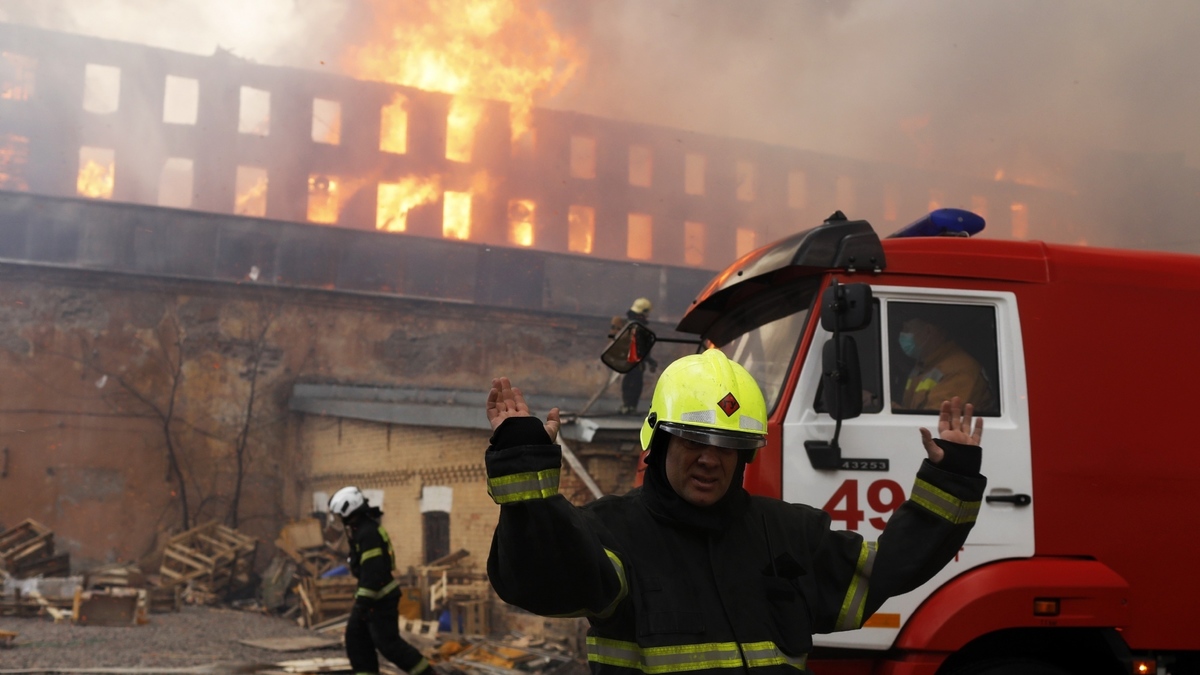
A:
x: 1084, y: 362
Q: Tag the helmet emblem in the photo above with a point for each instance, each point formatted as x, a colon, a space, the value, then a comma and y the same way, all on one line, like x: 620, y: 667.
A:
x: 729, y: 404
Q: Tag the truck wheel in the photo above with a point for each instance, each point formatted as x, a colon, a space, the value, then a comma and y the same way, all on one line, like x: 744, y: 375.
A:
x: 1011, y: 667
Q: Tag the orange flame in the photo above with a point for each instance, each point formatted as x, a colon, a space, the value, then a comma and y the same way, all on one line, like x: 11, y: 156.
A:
x: 95, y: 180
x: 504, y: 50
x: 253, y: 200
x: 397, y: 199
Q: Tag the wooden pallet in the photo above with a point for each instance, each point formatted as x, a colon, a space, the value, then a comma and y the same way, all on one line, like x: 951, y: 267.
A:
x: 212, y: 560
x: 23, y: 546
x: 327, y: 598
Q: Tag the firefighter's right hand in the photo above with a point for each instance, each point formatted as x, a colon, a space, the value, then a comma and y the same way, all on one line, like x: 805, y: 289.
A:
x: 954, y: 425
x: 505, y: 401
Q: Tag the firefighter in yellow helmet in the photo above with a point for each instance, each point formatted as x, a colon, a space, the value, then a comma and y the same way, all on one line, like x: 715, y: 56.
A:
x: 690, y: 573
x: 632, y: 382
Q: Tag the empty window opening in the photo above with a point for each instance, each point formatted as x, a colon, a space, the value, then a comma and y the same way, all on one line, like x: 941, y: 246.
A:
x: 891, y: 202
x: 395, y: 200
x: 744, y: 175
x: 1020, y: 221
x: 581, y: 228
x: 251, y: 198
x: 694, y: 166
x: 844, y: 192
x: 525, y: 144
x: 435, y: 528
x: 456, y: 215
x: 461, y: 122
x: 583, y: 157
x: 14, y: 156
x: 101, y: 89
x: 323, y: 199
x: 520, y: 221
x: 797, y: 189
x: 393, y: 126
x: 641, y: 230
x: 175, y: 183
x: 694, y: 240
x: 979, y: 206
x: 17, y: 73
x: 937, y: 198
x: 747, y: 241
x: 254, y: 112
x: 641, y: 166
x: 96, y: 172
x: 327, y: 121
x: 181, y: 100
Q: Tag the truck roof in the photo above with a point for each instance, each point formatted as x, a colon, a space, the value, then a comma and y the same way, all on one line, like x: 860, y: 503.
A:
x: 854, y: 246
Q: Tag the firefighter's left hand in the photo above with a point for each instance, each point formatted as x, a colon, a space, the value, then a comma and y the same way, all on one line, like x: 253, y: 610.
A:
x: 954, y: 425
x: 505, y: 401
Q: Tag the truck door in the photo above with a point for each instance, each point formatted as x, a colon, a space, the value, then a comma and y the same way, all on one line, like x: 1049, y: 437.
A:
x: 923, y: 345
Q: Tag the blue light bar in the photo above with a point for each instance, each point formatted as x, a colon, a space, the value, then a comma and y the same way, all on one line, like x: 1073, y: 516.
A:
x: 942, y: 222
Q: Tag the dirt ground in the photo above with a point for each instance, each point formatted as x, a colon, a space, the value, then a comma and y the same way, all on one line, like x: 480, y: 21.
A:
x: 195, y: 636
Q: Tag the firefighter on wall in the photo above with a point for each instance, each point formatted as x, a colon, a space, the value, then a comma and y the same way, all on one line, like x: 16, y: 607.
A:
x: 631, y: 384
x: 374, y: 622
x: 690, y: 573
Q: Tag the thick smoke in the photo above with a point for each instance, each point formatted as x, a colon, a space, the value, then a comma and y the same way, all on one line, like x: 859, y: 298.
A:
x: 1025, y: 90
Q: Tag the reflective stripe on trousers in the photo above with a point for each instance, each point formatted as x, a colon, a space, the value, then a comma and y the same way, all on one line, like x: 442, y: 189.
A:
x: 684, y: 658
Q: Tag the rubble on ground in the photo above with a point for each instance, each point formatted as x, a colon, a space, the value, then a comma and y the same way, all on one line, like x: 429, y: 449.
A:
x: 447, y: 607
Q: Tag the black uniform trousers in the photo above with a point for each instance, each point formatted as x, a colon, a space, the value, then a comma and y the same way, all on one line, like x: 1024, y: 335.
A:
x: 376, y: 626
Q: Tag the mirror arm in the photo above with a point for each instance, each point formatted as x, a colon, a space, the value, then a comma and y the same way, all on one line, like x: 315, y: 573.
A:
x: 681, y: 341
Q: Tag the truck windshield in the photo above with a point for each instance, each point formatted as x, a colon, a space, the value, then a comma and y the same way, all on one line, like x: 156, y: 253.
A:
x: 768, y: 349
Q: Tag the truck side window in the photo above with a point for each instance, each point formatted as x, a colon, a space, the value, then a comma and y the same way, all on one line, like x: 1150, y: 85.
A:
x: 871, y: 363
x: 938, y: 351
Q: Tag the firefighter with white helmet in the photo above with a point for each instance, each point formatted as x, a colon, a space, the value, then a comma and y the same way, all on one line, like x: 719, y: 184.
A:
x: 690, y: 572
x: 374, y: 619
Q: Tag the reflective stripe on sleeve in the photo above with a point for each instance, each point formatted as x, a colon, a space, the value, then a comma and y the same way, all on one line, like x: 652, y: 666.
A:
x: 524, y: 486
x: 370, y: 553
x: 851, y: 614
x: 944, y: 504
x: 421, y: 667
x: 375, y: 595
x: 685, y: 658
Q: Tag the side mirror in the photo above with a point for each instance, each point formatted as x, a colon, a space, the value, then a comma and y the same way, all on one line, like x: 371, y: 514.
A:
x: 846, y: 307
x: 841, y: 379
x: 630, y: 347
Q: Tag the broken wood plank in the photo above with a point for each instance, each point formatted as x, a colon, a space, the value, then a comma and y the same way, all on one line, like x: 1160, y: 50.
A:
x: 293, y: 644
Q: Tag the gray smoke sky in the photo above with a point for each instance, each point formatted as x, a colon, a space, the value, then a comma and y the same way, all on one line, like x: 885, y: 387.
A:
x: 974, y: 86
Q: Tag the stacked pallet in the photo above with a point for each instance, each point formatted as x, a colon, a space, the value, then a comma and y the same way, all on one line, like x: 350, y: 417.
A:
x: 27, y: 550
x: 212, y: 561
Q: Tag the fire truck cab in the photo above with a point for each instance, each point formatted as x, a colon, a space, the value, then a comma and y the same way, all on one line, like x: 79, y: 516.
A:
x: 1083, y: 362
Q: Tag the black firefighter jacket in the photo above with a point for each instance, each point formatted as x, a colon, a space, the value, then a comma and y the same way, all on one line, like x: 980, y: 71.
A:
x: 372, y: 560
x: 744, y: 591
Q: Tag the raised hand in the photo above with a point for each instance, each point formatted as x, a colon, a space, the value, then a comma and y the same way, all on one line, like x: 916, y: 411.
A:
x: 505, y: 401
x: 954, y: 425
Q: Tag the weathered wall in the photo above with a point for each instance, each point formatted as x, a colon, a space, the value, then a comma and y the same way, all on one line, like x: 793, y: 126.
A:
x: 90, y: 361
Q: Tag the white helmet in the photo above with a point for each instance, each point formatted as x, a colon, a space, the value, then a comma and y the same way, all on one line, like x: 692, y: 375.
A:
x: 346, y: 501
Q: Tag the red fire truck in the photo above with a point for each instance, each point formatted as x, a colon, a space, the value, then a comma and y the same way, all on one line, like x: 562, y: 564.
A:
x: 1082, y: 560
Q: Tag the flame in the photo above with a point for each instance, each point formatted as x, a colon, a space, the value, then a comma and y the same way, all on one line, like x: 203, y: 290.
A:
x: 95, y: 180
x: 323, y: 206
x: 18, y: 73
x: 393, y: 132
x: 14, y: 155
x: 465, y: 113
x: 456, y: 215
x: 253, y: 200
x: 397, y: 199
x: 520, y: 221
x: 504, y: 50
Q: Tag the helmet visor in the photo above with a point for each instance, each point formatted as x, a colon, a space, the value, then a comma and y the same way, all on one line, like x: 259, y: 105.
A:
x: 715, y: 437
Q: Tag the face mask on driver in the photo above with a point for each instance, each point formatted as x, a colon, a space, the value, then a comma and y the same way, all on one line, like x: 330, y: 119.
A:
x: 908, y: 343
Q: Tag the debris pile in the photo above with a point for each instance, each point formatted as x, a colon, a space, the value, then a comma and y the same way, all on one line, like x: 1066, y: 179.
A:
x: 27, y: 550
x: 211, y: 561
